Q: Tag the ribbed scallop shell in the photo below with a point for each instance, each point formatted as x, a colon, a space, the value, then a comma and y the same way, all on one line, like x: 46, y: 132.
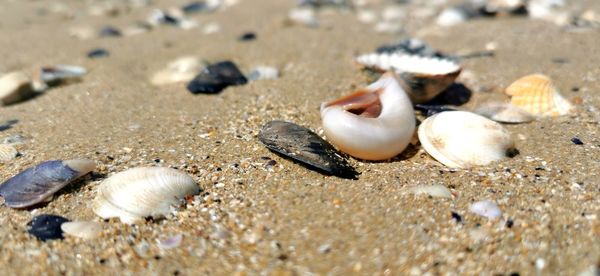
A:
x: 424, y: 77
x: 142, y: 192
x: 460, y: 139
x: 538, y: 95
x: 7, y: 153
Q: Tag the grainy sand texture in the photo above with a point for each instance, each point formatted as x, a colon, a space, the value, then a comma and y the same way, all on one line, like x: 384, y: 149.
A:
x: 259, y: 213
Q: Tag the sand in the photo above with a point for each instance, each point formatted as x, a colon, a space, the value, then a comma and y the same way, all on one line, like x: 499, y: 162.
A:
x: 252, y: 219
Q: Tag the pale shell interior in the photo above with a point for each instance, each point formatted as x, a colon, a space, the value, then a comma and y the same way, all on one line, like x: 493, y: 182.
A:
x: 409, y: 63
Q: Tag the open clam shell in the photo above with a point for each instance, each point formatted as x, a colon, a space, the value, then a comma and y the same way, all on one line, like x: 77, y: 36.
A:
x: 142, y: 192
x: 538, y: 95
x: 39, y: 183
x: 460, y: 139
x: 423, y: 77
x: 374, y: 123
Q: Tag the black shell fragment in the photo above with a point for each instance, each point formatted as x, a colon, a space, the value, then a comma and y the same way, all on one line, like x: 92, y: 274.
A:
x: 97, y: 53
x: 301, y: 144
x: 109, y: 31
x: 217, y: 77
x: 46, y: 227
x: 430, y: 110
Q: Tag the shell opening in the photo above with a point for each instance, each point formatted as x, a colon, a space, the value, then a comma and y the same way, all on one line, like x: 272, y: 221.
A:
x: 361, y: 103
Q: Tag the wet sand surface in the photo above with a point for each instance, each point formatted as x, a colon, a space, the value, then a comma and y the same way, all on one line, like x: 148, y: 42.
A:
x: 286, y: 219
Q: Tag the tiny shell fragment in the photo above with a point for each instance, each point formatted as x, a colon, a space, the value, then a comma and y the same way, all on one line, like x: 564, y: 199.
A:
x: 47, y: 227
x: 82, y: 229
x: 486, y: 208
x: 14, y: 87
x: 7, y: 152
x: 432, y: 190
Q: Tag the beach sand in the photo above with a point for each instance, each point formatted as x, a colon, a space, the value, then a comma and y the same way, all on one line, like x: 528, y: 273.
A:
x: 285, y: 220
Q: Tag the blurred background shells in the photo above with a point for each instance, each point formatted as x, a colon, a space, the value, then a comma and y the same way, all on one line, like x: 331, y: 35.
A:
x: 142, y: 192
x: 538, y: 95
x: 460, y: 139
x: 182, y: 69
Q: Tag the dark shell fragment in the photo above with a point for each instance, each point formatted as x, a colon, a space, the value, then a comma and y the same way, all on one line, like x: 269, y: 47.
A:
x: 195, y: 7
x: 247, y: 36
x: 410, y: 46
x: 109, y: 31
x: 46, y: 227
x: 303, y: 145
x: 97, y: 53
x: 36, y: 184
x: 430, y: 110
x: 217, y: 77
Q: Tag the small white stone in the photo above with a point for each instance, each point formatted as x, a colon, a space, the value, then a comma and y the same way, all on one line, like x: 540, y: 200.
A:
x: 82, y: 229
x: 432, y: 190
x: 263, y: 73
x: 305, y: 16
x: 451, y: 17
x: 14, y: 87
x: 486, y: 208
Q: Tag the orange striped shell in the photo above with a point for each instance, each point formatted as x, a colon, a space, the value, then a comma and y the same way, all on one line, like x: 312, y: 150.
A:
x: 538, y: 95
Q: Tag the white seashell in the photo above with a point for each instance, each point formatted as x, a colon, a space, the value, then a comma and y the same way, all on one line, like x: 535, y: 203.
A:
x: 142, y: 192
x: 61, y: 73
x: 504, y: 113
x: 7, y: 152
x: 375, y: 123
x: 14, y: 87
x: 211, y: 28
x: 182, y: 69
x: 82, y: 229
x: 460, y: 139
x: 263, y: 73
x: 452, y: 16
x: 171, y: 242
x: 486, y: 209
x: 432, y: 190
x: 305, y: 16
x: 424, y: 77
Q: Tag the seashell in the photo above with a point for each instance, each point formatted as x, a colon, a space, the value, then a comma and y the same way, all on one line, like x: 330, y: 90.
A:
x: 432, y: 190
x: 302, y: 145
x: 494, y: 7
x: 504, y: 113
x: 423, y: 77
x: 304, y: 16
x: 409, y: 46
x: 39, y: 183
x: 430, y: 110
x: 81, y: 32
x: 8, y: 124
x: 170, y: 242
x: 142, y: 192
x: 453, y: 16
x: 82, y: 229
x: 374, y: 123
x: 537, y: 94
x: 486, y: 209
x: 7, y: 153
x: 14, y: 87
x: 263, y: 73
x: 460, y: 139
x: 61, y: 74
x: 217, y: 77
x: 98, y: 53
x: 109, y: 31
x: 47, y: 227
x: 182, y: 69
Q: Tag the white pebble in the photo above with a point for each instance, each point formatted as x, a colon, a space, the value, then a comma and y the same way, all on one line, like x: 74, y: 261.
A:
x: 486, y: 208
x: 263, y: 73
x: 432, y: 190
x: 451, y: 17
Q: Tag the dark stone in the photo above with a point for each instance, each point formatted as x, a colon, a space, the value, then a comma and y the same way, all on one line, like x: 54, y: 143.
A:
x: 301, y: 144
x: 97, y: 53
x: 456, y: 217
x: 109, y: 31
x: 576, y: 141
x: 216, y: 77
x: 194, y: 7
x: 247, y: 36
x: 46, y: 227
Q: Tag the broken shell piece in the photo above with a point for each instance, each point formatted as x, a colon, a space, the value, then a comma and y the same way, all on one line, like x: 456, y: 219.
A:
x: 182, y: 69
x: 82, y: 229
x: 14, y: 87
x: 263, y: 73
x: 301, y: 144
x: 7, y: 153
x: 424, y: 77
x: 504, y: 113
x: 47, y: 227
x: 142, y: 192
x: 486, y: 208
x: 374, y: 123
x: 170, y: 242
x: 39, y: 183
x: 217, y: 77
x: 460, y: 139
x: 538, y: 95
x: 494, y: 7
x: 61, y: 74
x: 304, y: 16
x: 432, y: 190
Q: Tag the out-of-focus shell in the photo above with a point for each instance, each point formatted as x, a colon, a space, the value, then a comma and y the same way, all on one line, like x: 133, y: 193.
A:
x: 538, y: 95
x: 461, y: 139
x: 7, y: 153
x: 374, y: 123
x: 423, y: 77
x: 504, y: 113
x: 486, y: 208
x: 142, y: 192
x: 432, y: 190
x: 14, y: 87
x: 39, y: 183
x: 182, y: 69
x: 82, y: 229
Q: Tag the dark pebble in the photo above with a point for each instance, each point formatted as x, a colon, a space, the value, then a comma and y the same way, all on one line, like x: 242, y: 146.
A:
x: 217, y: 77
x: 510, y: 223
x: 456, y: 216
x: 194, y: 7
x: 97, y: 53
x: 46, y: 227
x: 411, y: 46
x: 576, y: 141
x: 301, y: 144
x: 560, y: 60
x: 109, y: 31
x: 248, y: 36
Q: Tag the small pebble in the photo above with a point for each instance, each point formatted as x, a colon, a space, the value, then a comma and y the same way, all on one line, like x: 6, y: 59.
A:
x: 14, y: 87
x: 194, y: 7
x: 109, y: 31
x: 46, y: 227
x: 170, y: 242
x: 263, y: 73
x: 456, y: 216
x: 247, y: 36
x: 486, y: 208
x: 217, y: 77
x: 432, y: 190
x: 576, y: 141
x: 304, y: 16
x: 97, y: 53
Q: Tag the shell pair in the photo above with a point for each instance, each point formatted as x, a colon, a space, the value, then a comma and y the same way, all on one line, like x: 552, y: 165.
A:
x: 422, y: 77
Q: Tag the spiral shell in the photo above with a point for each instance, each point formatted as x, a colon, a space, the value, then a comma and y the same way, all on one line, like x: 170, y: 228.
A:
x: 539, y: 96
x: 142, y: 192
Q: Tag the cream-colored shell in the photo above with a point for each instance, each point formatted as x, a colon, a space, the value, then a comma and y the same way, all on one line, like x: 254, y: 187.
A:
x: 539, y: 96
x: 460, y: 139
x: 504, y: 113
x: 182, y: 69
x: 82, y: 229
x: 14, y: 87
x: 373, y: 138
x: 7, y: 153
x: 142, y: 192
x: 401, y: 63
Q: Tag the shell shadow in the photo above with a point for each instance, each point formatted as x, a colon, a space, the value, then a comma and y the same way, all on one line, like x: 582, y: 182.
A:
x: 456, y: 94
x: 77, y: 185
x: 8, y: 124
